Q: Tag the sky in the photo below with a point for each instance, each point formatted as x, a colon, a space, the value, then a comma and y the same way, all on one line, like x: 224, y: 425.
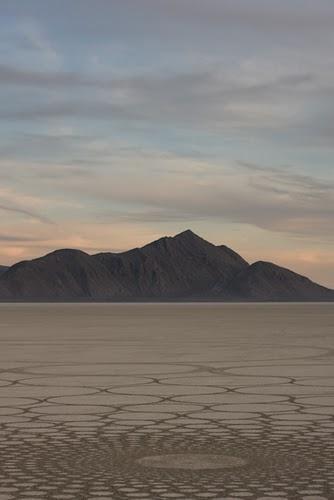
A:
x: 124, y: 121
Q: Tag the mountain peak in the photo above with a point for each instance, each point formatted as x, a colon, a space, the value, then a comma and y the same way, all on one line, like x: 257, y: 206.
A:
x: 186, y: 238
x: 66, y: 252
x: 185, y: 233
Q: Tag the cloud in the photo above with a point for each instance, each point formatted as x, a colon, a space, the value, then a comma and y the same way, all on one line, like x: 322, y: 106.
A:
x: 35, y: 38
x: 272, y: 91
x: 10, y: 75
x: 17, y: 238
x: 149, y: 187
x: 26, y: 213
x: 131, y: 186
x: 133, y: 189
x: 13, y: 201
x: 205, y: 99
x: 158, y: 17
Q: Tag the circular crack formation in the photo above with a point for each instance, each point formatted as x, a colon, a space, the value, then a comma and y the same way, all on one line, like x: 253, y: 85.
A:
x: 189, y: 461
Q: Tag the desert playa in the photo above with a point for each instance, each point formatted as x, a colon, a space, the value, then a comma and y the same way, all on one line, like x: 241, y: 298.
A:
x: 182, y: 401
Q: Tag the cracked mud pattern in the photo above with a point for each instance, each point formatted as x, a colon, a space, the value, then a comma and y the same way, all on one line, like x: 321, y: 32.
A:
x: 167, y: 401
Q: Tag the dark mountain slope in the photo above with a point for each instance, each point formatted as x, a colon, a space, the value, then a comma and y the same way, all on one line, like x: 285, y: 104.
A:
x: 171, y: 267
x: 264, y: 281
x: 63, y: 274
x: 179, y: 266
x: 3, y: 269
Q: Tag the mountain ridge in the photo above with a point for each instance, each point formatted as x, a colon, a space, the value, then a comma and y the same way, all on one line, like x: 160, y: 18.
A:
x: 180, y: 267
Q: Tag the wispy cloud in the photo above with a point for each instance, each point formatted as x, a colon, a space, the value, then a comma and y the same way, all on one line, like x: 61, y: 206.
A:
x: 208, y: 99
x: 183, y: 189
x: 10, y: 75
x: 26, y: 213
x: 16, y: 238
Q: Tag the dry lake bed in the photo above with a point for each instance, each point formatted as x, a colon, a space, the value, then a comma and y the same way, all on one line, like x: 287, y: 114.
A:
x: 167, y: 401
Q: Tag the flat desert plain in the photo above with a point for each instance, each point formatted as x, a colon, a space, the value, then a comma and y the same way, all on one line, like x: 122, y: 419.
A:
x: 167, y: 401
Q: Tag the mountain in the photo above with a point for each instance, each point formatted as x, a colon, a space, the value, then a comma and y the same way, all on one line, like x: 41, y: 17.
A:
x: 264, y: 281
x: 60, y: 275
x: 181, y: 267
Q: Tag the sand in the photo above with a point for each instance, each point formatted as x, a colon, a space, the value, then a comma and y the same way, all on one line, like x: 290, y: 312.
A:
x: 166, y: 401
